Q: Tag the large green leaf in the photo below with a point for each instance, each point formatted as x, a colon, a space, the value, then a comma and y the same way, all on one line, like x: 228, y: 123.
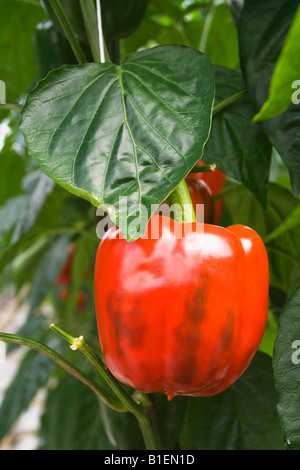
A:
x: 244, y: 417
x: 21, y: 211
x: 119, y: 18
x: 238, y: 146
x: 50, y: 264
x: 104, y: 131
x: 122, y: 18
x: 170, y: 418
x: 71, y: 419
x: 286, y: 362
x: 122, y: 429
x: 12, y: 172
x: 286, y: 72
x: 51, y: 49
x: 262, y: 31
x: 73, y: 12
x: 284, y: 250
x: 165, y: 22
x: 17, y: 65
x: 30, y: 216
x: 31, y: 375
x: 219, y: 39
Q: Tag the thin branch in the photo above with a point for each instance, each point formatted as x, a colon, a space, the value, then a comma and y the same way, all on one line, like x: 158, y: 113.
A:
x: 65, y: 364
x: 100, y: 32
x: 11, y: 106
x: 229, y: 100
x: 68, y: 30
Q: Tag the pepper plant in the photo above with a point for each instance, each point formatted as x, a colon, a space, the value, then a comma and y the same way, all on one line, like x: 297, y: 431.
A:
x: 110, y: 109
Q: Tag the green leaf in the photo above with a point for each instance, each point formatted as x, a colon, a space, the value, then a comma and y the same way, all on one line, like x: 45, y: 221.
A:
x: 283, y: 251
x: 31, y: 375
x: 164, y: 23
x: 37, y: 188
x: 286, y: 361
x: 122, y: 18
x: 170, y: 418
x: 73, y: 12
x: 122, y: 429
x: 21, y: 211
x: 44, y: 218
x: 285, y: 73
x: 104, y: 132
x: 219, y: 39
x: 81, y: 274
x: 291, y: 221
x: 72, y: 419
x: 244, y: 417
x: 267, y: 343
x: 51, y: 49
x: 17, y: 25
x: 237, y: 145
x: 118, y: 19
x: 47, y: 271
x: 262, y: 31
x: 12, y: 171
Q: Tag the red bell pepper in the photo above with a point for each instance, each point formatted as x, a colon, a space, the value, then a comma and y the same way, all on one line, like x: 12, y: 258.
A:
x: 181, y: 315
x: 201, y: 194
x: 216, y: 181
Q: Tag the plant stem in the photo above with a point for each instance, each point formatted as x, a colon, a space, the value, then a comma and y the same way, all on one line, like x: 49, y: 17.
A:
x: 142, y: 413
x: 68, y: 30
x: 90, y: 22
x: 82, y: 346
x: 150, y: 436
x: 11, y: 106
x: 182, y: 204
x: 204, y: 168
x: 108, y: 399
x: 100, y: 32
x: 231, y: 99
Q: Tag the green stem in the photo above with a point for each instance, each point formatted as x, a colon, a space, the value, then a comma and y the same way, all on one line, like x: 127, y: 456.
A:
x: 203, y: 168
x: 108, y: 399
x: 180, y: 201
x: 142, y: 413
x: 89, y: 15
x: 231, y: 99
x: 68, y: 30
x: 10, y: 106
x: 82, y: 346
x: 206, y: 28
x: 195, y: 6
x: 150, y: 436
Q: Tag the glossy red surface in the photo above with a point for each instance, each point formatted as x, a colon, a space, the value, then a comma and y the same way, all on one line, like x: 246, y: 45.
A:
x: 216, y: 181
x: 181, y: 316
x: 201, y: 195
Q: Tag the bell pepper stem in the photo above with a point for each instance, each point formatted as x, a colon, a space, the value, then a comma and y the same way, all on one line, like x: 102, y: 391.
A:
x: 180, y: 201
x: 204, y: 168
